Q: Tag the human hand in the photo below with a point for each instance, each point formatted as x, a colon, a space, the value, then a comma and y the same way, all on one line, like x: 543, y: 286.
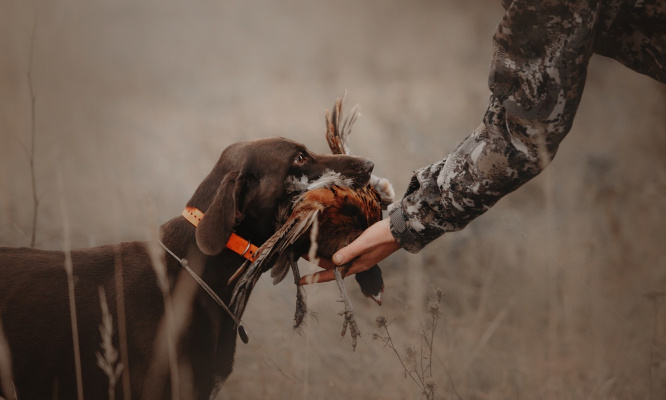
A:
x: 373, y: 245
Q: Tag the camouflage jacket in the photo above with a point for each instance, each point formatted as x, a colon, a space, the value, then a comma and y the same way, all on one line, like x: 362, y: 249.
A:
x: 537, y: 75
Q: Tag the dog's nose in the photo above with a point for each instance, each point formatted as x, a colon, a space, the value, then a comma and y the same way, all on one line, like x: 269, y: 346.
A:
x: 362, y: 165
x: 368, y: 165
x: 362, y: 171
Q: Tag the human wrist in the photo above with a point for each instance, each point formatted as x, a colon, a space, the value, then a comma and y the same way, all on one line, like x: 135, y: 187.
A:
x: 401, y: 232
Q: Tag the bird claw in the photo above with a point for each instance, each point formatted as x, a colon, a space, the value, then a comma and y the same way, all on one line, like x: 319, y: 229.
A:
x: 348, y: 312
x: 350, y: 322
x: 301, y: 305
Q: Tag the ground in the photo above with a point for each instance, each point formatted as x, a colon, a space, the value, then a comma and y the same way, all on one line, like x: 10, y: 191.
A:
x: 544, y: 296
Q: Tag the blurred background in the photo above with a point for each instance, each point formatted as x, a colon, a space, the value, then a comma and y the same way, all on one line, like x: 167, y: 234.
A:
x: 555, y: 293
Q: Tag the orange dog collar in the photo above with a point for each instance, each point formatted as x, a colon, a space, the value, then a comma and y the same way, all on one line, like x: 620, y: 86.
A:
x: 236, y: 243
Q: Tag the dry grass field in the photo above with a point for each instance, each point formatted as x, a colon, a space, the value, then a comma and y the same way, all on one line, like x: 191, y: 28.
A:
x: 544, y: 297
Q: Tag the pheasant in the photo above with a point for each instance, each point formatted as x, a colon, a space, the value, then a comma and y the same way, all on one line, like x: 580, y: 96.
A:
x: 322, y: 217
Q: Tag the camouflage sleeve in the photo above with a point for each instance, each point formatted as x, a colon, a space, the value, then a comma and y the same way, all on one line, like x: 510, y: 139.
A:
x: 537, y: 74
x: 635, y: 35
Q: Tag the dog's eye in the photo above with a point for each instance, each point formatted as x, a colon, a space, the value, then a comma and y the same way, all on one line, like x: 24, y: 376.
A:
x: 300, y: 159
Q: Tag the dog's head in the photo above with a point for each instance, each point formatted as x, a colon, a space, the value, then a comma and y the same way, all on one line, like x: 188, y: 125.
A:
x: 248, y: 183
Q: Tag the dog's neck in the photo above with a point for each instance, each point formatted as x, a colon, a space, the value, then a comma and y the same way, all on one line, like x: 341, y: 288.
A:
x: 179, y: 235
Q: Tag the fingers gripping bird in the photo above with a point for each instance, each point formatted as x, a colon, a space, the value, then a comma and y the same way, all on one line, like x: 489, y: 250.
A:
x: 323, y: 216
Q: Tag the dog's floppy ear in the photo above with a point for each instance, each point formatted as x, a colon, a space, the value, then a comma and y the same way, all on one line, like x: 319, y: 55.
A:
x: 219, y: 219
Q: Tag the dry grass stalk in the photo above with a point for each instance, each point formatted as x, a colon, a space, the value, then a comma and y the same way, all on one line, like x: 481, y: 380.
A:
x: 178, y: 297
x: 657, y: 353
x: 416, y: 365
x: 108, y: 360
x: 69, y: 268
x: 31, y: 154
x: 6, y: 380
x: 487, y: 335
x: 169, y: 327
x: 122, y: 327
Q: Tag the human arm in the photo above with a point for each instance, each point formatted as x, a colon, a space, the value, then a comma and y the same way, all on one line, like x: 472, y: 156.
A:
x: 537, y: 76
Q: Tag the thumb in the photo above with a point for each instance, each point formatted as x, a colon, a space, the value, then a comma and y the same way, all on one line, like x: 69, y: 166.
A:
x: 341, y: 256
x: 348, y: 253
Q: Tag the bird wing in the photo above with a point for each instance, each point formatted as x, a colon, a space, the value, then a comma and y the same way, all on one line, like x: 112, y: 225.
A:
x: 287, y: 237
x: 280, y: 268
x: 300, y: 221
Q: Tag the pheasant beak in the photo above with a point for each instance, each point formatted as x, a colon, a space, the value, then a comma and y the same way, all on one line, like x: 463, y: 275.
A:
x: 377, y: 298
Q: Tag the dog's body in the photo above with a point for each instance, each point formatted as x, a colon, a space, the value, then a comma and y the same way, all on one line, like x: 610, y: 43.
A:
x: 241, y: 194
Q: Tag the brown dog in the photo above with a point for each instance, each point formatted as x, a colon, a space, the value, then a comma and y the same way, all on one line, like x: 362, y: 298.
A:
x: 131, y: 354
